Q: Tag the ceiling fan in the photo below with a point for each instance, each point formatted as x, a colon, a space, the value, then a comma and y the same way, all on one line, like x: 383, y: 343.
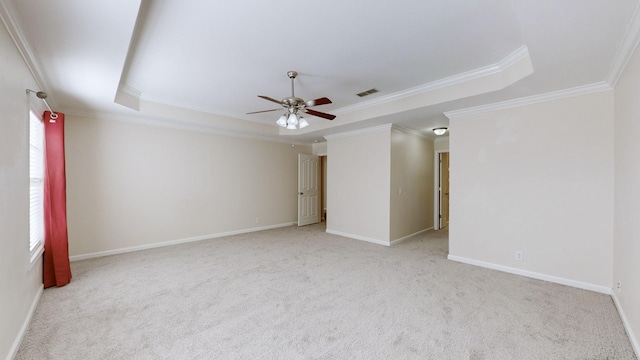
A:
x: 295, y: 106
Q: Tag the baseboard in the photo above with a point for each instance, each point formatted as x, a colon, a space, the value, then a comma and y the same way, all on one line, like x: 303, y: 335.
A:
x: 25, y: 325
x: 627, y: 324
x: 174, y: 242
x: 534, y: 275
x: 358, y: 237
x: 375, y: 241
x: 398, y: 241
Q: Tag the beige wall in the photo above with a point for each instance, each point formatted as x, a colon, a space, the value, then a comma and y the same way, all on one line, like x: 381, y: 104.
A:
x: 319, y: 148
x: 538, y: 179
x: 412, y: 184
x: 21, y: 282
x: 133, y: 185
x: 379, y: 184
x: 441, y: 144
x: 626, y: 243
x: 358, y: 182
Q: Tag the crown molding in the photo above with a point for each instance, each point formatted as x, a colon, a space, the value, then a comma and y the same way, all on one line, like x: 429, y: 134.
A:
x: 529, y: 100
x: 626, y: 49
x: 128, y: 97
x: 522, y: 53
x: 14, y: 30
x: 379, y: 128
x: 373, y: 129
x: 184, y: 126
x: 130, y: 91
x: 141, y: 19
x: 395, y: 127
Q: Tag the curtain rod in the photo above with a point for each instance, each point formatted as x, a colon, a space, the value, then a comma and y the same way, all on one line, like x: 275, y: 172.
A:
x: 43, y: 95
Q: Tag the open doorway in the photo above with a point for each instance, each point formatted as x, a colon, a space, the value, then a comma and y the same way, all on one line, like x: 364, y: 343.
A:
x: 441, y: 220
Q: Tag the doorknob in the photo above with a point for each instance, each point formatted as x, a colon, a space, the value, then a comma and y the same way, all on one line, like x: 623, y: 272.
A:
x: 301, y: 193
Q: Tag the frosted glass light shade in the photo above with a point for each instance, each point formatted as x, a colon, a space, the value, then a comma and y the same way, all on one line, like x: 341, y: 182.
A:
x: 293, y: 120
x: 440, y: 131
x: 282, y: 121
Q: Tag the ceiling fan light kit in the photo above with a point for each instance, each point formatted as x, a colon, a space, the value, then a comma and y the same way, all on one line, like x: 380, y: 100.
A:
x: 294, y: 106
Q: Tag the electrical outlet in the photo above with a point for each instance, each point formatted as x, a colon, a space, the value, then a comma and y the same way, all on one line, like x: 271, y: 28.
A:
x: 619, y: 286
x: 519, y: 256
x: 257, y: 220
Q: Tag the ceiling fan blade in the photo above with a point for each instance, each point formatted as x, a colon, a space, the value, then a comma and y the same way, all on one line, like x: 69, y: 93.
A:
x: 320, y: 114
x: 319, y: 101
x: 270, y: 99
x: 256, y: 112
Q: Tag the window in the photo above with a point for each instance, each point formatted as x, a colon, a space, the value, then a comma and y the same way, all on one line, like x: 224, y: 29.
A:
x: 36, y: 191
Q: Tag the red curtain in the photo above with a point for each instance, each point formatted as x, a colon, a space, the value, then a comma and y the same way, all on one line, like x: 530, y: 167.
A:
x: 56, y: 268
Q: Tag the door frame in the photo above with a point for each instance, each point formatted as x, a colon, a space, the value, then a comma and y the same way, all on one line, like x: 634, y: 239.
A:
x: 436, y: 187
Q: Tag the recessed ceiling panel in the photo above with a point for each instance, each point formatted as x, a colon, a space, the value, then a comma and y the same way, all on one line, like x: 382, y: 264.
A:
x: 218, y: 56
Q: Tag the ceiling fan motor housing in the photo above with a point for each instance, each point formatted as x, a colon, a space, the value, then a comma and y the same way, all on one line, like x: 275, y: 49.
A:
x: 294, y: 104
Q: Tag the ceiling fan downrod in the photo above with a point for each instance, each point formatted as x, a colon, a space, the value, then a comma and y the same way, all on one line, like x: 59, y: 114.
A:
x: 292, y: 75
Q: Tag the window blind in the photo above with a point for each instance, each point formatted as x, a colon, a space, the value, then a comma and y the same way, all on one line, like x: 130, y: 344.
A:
x: 36, y: 174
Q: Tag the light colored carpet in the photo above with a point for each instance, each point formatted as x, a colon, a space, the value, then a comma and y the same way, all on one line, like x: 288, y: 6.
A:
x: 299, y: 293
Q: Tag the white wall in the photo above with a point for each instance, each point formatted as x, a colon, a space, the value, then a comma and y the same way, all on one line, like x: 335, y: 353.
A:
x: 21, y: 282
x: 626, y: 249
x: 133, y: 185
x: 358, y: 182
x: 412, y: 184
x: 539, y: 179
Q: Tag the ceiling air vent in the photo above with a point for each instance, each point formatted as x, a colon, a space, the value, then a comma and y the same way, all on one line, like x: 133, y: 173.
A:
x: 367, y: 92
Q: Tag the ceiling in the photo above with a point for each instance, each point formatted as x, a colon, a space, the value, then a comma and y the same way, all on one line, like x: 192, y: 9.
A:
x: 201, y: 64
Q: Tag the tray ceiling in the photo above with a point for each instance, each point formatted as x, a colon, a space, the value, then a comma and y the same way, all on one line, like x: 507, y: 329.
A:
x: 201, y: 64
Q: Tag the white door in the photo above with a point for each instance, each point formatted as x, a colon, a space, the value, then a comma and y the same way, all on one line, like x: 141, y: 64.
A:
x: 308, y: 189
